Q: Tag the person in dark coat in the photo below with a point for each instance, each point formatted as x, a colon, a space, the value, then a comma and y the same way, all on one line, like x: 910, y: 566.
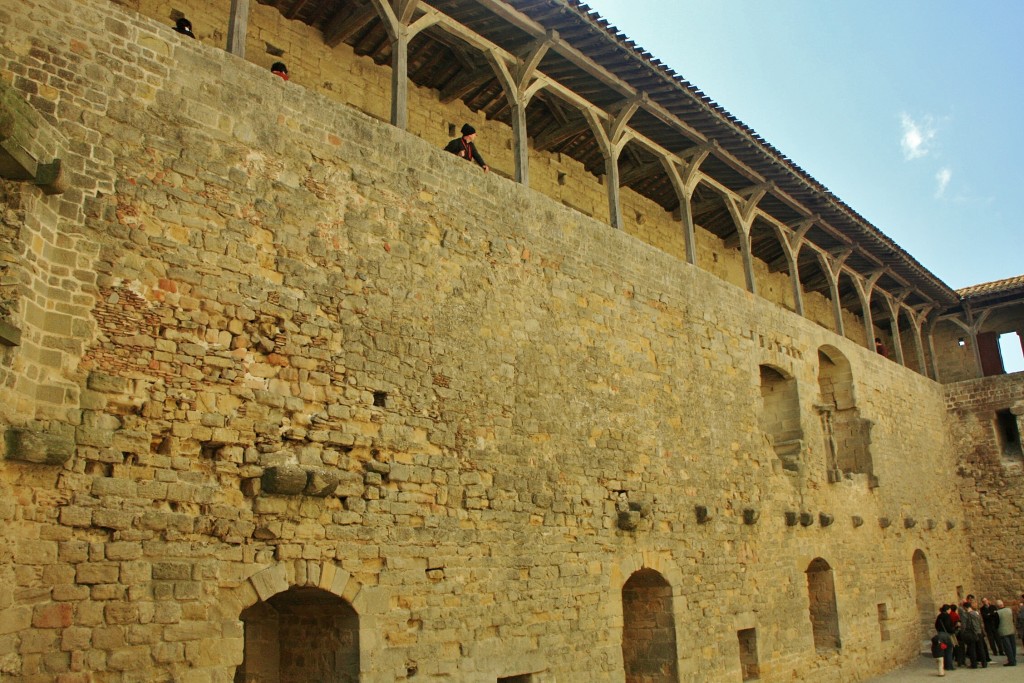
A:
x: 991, y: 621
x: 944, y: 632
x: 184, y: 27
x: 465, y: 148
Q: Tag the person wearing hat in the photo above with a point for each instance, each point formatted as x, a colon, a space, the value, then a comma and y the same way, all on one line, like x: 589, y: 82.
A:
x: 184, y: 27
x: 464, y: 147
x: 279, y: 69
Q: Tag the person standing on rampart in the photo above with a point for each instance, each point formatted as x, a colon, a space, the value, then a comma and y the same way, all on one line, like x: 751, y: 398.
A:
x: 465, y: 148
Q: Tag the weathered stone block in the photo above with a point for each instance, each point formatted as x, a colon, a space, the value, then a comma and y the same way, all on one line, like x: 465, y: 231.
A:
x: 37, y: 446
x: 287, y: 480
x: 322, y: 482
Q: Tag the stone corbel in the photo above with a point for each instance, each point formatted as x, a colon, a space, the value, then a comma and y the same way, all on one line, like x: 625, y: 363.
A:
x: 17, y: 163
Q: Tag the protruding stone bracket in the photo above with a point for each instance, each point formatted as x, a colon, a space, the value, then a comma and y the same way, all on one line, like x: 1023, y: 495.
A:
x: 751, y: 515
x: 884, y: 522
x: 295, y: 480
x: 909, y: 522
x: 9, y: 334
x: 40, y: 444
x: 857, y: 520
x: 792, y: 518
x: 631, y: 512
x: 16, y: 162
x: 825, y: 519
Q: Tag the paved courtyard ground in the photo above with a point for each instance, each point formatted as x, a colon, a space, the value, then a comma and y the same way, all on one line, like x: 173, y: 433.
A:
x: 924, y: 668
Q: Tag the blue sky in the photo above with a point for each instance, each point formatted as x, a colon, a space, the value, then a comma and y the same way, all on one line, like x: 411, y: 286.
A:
x: 910, y: 111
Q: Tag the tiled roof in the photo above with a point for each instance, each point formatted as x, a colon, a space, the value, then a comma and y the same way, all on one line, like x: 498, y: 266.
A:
x: 995, y: 288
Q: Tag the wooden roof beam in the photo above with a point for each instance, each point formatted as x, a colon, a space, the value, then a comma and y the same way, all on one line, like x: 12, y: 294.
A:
x: 340, y: 28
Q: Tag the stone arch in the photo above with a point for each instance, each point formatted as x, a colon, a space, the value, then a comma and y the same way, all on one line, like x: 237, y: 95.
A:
x: 296, y: 582
x: 923, y: 592
x: 659, y: 563
x: 846, y: 435
x: 648, y: 629
x: 824, y: 613
x: 780, y: 415
x: 301, y: 634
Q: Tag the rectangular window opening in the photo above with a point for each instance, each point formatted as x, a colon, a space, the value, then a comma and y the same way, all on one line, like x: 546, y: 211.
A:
x: 883, y: 621
x: 748, y: 654
x: 1008, y: 434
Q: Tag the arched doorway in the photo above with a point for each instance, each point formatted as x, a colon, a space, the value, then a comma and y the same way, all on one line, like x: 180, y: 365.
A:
x: 648, y: 629
x: 302, y: 634
x: 923, y: 593
x: 821, y: 592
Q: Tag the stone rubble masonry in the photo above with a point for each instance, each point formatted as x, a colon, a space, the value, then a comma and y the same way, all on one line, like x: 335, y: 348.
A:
x: 251, y: 283
x: 991, y: 481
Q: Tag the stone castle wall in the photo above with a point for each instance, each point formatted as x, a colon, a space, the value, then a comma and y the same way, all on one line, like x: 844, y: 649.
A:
x: 991, y: 476
x: 301, y: 348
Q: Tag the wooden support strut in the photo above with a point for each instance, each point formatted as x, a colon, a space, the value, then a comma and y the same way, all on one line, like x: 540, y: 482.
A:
x: 832, y: 265
x: 743, y: 218
x: 611, y: 137
x: 917, y: 319
x: 684, y: 180
x: 892, y: 305
x: 517, y: 81
x: 238, y: 26
x: 400, y: 31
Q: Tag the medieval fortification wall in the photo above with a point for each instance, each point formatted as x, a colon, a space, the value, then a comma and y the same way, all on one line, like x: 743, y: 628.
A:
x: 275, y: 348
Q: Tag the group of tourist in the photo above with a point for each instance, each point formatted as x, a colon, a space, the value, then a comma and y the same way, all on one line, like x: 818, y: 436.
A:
x: 969, y: 632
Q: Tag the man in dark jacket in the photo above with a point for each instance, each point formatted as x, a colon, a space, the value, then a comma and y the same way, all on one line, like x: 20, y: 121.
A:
x: 464, y: 147
x: 991, y: 621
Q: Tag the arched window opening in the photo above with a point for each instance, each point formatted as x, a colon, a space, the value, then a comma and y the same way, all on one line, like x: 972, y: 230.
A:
x: 847, y: 436
x: 300, y: 635
x: 780, y: 416
x: 821, y: 592
x: 923, y: 594
x: 648, y: 629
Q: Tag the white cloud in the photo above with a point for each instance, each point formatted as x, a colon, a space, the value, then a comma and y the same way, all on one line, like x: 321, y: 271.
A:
x: 942, y: 178
x: 916, y: 136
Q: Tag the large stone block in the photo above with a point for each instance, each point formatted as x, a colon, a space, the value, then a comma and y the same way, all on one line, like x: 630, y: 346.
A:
x: 37, y: 446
